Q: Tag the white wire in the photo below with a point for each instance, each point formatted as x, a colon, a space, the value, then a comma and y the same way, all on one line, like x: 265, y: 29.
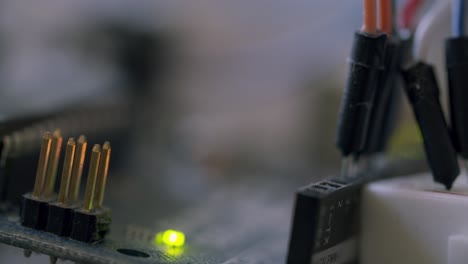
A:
x: 433, y: 17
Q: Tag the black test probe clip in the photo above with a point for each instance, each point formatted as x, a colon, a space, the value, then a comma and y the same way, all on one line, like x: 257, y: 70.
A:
x: 386, y: 102
x: 366, y: 64
x: 423, y: 94
x: 456, y: 51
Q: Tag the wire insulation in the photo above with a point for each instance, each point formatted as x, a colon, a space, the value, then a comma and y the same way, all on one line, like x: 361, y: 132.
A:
x: 394, y: 17
x: 385, y: 16
x: 409, y: 13
x: 432, y: 18
x: 458, y: 18
x: 370, y: 17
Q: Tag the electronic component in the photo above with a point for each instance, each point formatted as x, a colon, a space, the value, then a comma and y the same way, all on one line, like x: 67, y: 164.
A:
x: 91, y: 222
x: 456, y: 58
x: 21, y: 138
x: 387, y: 95
x: 65, y: 216
x: 357, y: 117
x: 170, y: 238
x: 325, y: 223
x: 35, y: 206
x: 386, y: 101
x: 423, y: 93
x: 326, y: 220
x: 61, y: 212
x: 366, y: 63
x: 456, y: 52
x: 332, y: 221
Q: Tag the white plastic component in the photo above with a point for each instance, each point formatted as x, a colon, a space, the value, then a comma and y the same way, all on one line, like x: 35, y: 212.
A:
x: 457, y: 249
x: 414, y: 220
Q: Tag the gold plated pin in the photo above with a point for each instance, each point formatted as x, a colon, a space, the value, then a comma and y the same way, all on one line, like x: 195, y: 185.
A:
x: 92, y: 176
x: 54, y: 158
x: 67, y: 170
x: 42, y: 165
x: 102, y: 175
x: 77, y: 170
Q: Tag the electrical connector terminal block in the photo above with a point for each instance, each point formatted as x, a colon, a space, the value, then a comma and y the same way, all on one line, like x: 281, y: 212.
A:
x: 63, y: 214
x: 325, y: 223
x: 34, y: 212
x: 35, y: 205
x: 90, y: 226
x: 59, y: 218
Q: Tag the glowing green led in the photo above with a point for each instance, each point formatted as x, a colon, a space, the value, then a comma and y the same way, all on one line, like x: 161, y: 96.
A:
x: 158, y: 239
x: 174, y: 251
x: 171, y: 238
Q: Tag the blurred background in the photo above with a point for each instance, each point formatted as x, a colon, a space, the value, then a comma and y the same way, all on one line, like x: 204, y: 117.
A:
x: 259, y: 77
x: 223, y: 88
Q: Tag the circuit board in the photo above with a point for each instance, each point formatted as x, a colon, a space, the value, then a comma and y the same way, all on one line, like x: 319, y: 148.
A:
x: 231, y: 225
x: 238, y: 223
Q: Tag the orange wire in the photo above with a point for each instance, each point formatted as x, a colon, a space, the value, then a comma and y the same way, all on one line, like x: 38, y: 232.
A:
x: 370, y: 17
x: 386, y: 16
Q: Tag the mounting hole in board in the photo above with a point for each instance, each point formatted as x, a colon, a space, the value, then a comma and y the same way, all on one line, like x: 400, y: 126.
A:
x: 133, y: 253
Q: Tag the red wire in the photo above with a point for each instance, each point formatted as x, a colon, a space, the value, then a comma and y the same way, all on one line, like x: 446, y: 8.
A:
x: 409, y: 13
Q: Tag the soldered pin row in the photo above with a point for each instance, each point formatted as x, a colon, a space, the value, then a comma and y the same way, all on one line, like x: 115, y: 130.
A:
x: 65, y: 215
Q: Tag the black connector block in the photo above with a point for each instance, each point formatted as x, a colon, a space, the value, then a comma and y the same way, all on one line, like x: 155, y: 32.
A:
x: 90, y: 226
x: 325, y: 224
x: 34, y: 212
x: 59, y: 219
x: 456, y: 52
x: 366, y: 63
x: 423, y: 93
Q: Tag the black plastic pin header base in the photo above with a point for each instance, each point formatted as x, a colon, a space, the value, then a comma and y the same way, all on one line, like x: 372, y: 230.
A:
x: 59, y: 219
x: 456, y: 52
x: 423, y: 93
x: 34, y: 212
x: 90, y: 226
x: 366, y: 62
